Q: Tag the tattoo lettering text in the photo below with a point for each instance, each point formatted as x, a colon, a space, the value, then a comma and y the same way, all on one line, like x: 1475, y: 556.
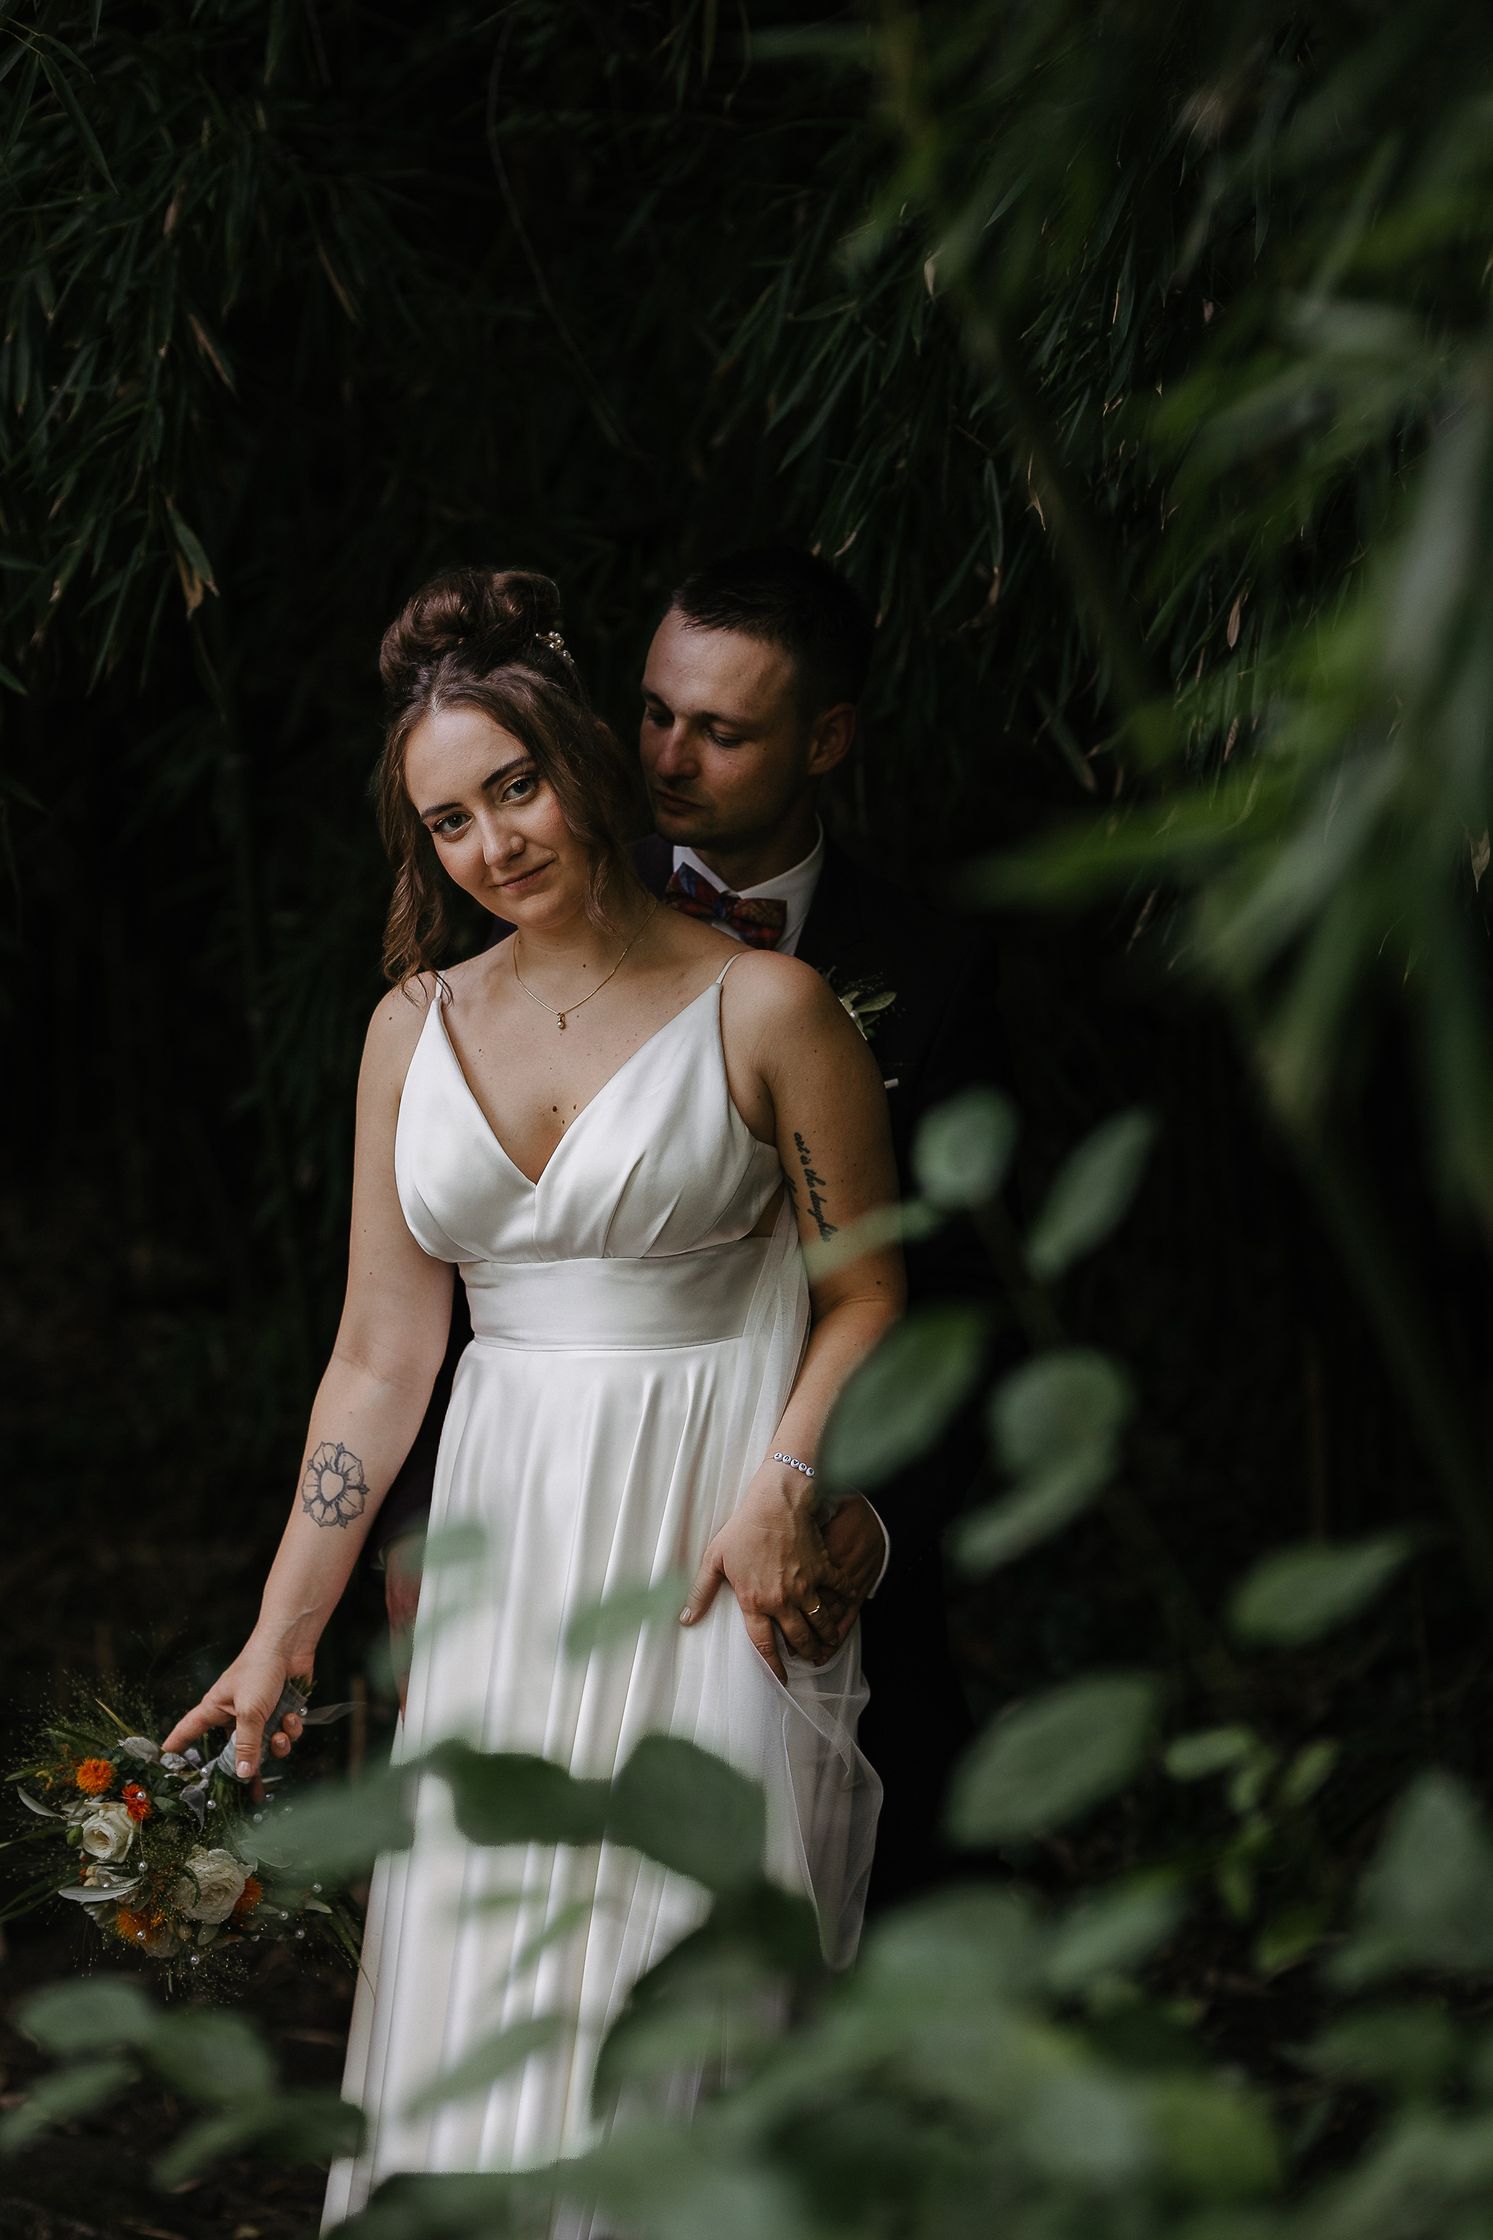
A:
x: 334, y: 1489
x: 813, y: 1184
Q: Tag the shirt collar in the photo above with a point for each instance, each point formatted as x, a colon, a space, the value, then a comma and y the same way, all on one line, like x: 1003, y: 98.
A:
x: 794, y: 888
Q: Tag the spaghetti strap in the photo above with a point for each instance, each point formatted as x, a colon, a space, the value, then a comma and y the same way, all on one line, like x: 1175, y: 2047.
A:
x: 725, y: 968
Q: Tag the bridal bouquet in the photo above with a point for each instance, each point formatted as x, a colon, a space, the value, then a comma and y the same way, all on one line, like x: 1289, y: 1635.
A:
x: 161, y: 1850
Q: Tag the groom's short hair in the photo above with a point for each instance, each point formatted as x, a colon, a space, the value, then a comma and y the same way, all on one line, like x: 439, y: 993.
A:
x: 793, y: 600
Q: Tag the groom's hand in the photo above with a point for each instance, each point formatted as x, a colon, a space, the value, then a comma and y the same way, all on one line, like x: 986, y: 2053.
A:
x: 855, y: 1541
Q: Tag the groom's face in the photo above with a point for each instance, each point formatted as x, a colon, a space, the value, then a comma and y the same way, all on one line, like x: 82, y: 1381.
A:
x: 728, y: 755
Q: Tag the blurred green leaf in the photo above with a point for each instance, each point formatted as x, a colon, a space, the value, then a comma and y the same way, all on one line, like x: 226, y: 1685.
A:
x: 1193, y: 1757
x: 495, y: 2056
x: 898, y: 1401
x: 1091, y: 1194
x: 622, y: 1616
x: 1086, y: 2129
x: 1298, y: 1594
x: 89, y: 2017
x: 1216, y: 2141
x: 1004, y: 1530
x: 212, y: 2056
x: 1042, y: 1764
x: 335, y: 1833
x: 963, y: 1147
x: 1426, y: 1898
x: 1308, y: 1772
x: 512, y: 1797
x: 1055, y: 1425
x: 1112, y: 1931
x: 691, y: 1811
x: 62, y: 2097
x: 286, y: 2127
x: 1409, y: 2049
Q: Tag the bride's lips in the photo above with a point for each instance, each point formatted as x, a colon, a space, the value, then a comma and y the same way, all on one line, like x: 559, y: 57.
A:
x: 524, y: 879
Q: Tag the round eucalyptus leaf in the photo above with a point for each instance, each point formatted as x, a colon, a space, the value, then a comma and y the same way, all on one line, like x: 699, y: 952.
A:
x: 510, y: 1796
x: 1091, y: 1193
x: 1060, y: 1415
x: 1006, y: 1529
x: 963, y: 1148
x: 1050, y: 1759
x: 690, y: 1811
x: 899, y: 1400
x: 1298, y: 1594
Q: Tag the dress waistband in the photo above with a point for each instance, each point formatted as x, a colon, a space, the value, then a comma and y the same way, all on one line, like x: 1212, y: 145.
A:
x: 681, y: 1299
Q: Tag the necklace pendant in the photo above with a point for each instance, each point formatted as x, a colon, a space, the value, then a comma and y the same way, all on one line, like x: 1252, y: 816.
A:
x: 560, y: 1016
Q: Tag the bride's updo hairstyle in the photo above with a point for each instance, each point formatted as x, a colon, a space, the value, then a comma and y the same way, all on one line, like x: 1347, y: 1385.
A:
x: 488, y: 638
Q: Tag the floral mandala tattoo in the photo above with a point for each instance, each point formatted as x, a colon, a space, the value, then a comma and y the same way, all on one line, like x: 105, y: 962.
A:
x: 334, y: 1489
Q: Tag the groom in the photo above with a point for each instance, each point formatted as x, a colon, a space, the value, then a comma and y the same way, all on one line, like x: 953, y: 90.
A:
x: 750, y: 693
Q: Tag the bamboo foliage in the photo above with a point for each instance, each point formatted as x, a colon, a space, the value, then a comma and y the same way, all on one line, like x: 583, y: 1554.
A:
x: 1130, y: 360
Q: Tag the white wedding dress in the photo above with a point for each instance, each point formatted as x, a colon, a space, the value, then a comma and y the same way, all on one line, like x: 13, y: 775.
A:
x: 634, y: 1347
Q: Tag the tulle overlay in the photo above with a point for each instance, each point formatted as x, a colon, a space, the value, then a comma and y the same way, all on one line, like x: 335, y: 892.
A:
x: 633, y: 1350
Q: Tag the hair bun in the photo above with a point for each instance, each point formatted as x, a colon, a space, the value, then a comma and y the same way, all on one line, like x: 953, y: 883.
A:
x: 493, y: 614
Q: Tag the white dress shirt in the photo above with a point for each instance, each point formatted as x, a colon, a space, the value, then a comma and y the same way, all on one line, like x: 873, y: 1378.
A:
x: 795, y: 888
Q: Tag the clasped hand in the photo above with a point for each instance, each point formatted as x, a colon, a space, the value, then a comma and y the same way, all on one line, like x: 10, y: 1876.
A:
x: 790, y: 1577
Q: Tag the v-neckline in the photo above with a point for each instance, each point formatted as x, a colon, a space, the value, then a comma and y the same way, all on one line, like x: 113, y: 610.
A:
x: 533, y: 1182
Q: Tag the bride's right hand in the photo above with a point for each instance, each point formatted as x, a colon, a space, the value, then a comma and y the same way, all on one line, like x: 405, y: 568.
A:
x: 243, y: 1698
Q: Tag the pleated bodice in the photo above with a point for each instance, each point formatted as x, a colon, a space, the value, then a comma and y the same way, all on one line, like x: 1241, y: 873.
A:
x: 659, y: 1163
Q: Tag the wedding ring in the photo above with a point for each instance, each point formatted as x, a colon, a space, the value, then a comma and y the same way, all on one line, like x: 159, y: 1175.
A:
x: 815, y: 1611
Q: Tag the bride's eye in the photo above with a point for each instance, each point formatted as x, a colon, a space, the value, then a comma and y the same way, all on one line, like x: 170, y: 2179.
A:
x: 526, y: 778
x: 447, y: 827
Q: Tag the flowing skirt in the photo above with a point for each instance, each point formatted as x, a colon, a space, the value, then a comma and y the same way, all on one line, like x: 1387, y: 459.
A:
x: 580, y: 1470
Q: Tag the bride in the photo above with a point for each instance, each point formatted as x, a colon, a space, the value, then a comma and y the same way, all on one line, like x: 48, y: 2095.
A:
x: 618, y: 1125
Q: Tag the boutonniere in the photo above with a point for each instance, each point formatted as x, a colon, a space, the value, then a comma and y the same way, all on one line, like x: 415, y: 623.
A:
x: 866, y: 1000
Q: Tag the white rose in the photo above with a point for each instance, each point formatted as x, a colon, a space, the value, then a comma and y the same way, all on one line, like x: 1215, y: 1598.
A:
x: 211, y: 1886
x: 108, y: 1831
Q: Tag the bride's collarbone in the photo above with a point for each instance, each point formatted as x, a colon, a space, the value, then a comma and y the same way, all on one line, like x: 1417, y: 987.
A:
x: 533, y: 1079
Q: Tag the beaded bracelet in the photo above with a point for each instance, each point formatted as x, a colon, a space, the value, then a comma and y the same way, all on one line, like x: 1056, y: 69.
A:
x: 794, y: 1464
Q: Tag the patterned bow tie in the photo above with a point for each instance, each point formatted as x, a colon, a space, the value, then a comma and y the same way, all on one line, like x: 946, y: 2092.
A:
x: 758, y: 922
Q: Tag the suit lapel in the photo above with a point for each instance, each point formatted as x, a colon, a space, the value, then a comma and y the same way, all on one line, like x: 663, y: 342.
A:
x: 838, y: 923
x: 653, y: 860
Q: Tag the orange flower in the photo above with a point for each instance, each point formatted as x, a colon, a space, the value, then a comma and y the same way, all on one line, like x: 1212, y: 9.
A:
x: 249, y: 1898
x: 136, y: 1802
x: 94, y: 1776
x: 133, y: 1927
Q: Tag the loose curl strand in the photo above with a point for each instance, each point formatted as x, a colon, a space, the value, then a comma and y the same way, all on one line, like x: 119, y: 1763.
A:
x: 482, y: 638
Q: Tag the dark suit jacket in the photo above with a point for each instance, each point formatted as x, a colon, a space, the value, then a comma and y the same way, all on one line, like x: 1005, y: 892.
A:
x: 937, y: 1035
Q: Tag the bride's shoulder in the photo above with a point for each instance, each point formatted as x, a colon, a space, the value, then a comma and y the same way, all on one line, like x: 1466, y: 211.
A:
x: 399, y: 1016
x: 775, y: 994
x: 401, y: 1012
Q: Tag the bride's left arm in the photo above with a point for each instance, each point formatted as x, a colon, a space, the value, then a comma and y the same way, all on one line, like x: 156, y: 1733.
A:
x: 813, y: 1079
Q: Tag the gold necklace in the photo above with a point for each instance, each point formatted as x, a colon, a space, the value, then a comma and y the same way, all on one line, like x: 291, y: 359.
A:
x: 560, y: 1017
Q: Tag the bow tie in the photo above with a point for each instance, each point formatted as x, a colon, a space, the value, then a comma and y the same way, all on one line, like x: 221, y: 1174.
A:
x: 758, y: 922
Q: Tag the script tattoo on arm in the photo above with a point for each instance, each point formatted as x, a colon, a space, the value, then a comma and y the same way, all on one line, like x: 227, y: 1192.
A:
x: 334, y: 1489
x: 813, y: 1184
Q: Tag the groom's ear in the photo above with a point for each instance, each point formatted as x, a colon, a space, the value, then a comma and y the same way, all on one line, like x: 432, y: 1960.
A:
x: 834, y: 735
